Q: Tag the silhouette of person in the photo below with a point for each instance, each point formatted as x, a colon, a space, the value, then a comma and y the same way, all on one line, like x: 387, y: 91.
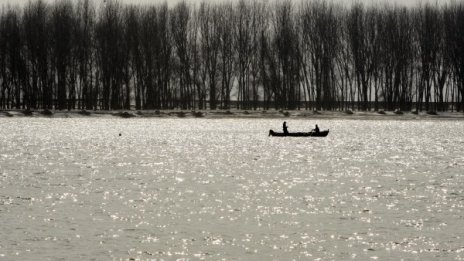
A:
x: 285, y: 128
x: 316, y: 129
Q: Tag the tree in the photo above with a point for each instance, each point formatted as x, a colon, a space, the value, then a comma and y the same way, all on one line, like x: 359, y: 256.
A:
x: 287, y: 56
x: 62, y: 49
x: 38, y: 90
x: 12, y: 62
x: 180, y: 16
x: 111, y: 57
x: 454, y: 39
x: 227, y: 69
x: 428, y: 33
x: 210, y: 42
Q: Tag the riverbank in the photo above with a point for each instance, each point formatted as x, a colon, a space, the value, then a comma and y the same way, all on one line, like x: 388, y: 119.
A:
x: 214, y: 114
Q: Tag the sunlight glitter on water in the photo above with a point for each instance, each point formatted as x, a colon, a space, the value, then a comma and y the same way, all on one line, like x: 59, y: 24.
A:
x: 214, y: 189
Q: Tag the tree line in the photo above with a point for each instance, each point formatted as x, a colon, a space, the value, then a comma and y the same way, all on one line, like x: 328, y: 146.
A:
x: 317, y: 55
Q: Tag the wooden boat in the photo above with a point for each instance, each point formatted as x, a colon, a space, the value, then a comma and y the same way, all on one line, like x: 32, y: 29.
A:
x: 299, y: 134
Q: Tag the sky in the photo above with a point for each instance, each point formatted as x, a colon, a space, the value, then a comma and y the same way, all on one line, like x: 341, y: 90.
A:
x: 409, y: 3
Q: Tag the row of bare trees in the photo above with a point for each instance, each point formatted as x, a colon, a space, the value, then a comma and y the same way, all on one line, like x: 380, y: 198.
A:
x: 250, y: 55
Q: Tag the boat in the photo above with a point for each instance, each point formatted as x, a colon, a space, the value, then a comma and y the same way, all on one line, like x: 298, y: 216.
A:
x: 299, y: 134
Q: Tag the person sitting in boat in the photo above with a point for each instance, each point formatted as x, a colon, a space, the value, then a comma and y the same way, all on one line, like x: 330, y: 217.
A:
x: 316, y: 129
x: 285, y: 127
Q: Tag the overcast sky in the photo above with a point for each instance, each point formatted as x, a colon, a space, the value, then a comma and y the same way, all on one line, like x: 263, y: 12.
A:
x: 170, y: 2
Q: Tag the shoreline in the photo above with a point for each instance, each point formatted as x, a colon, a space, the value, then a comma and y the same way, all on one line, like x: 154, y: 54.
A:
x: 231, y: 114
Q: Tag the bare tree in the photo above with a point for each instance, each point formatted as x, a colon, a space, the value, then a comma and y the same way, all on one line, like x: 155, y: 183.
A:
x: 61, y: 38
x: 12, y: 62
x: 226, y: 27
x: 84, y: 37
x: 134, y: 70
x: 65, y: 55
x: 344, y: 64
x: 361, y: 50
x: 322, y: 25
x: 179, y: 26
x: 287, y: 56
x: 454, y: 37
x: 428, y: 33
x: 38, y: 91
x: 163, y: 59
x: 210, y: 42
x: 243, y: 50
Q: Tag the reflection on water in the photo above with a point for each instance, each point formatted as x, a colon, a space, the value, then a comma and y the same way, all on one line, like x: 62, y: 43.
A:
x: 214, y: 189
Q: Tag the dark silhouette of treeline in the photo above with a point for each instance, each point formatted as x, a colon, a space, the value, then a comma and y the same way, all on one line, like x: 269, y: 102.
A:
x: 316, y: 55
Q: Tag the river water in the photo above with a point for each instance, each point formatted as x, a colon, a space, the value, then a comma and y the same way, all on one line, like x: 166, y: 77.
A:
x: 222, y: 189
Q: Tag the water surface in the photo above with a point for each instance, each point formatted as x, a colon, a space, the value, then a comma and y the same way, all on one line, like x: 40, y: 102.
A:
x: 222, y: 189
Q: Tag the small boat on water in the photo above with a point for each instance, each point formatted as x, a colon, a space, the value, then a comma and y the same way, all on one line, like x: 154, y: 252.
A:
x: 299, y: 134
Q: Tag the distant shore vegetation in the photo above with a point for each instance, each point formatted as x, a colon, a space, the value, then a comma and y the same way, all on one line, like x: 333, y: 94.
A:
x: 246, y: 55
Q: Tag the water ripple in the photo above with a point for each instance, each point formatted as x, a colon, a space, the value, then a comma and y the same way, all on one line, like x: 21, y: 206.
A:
x: 222, y: 189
